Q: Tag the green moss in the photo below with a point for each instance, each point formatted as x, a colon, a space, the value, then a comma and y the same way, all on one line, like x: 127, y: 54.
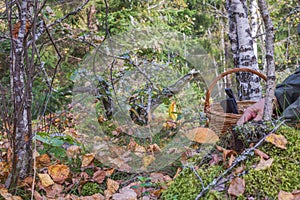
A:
x: 282, y: 175
x: 187, y: 185
x: 91, y: 188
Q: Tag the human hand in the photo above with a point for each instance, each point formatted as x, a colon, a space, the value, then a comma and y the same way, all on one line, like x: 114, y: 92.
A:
x: 254, y: 112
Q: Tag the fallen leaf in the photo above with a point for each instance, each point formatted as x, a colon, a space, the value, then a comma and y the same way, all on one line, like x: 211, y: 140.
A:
x: 112, y: 187
x: 4, y: 169
x: 147, y: 160
x: 231, y: 159
x: 239, y: 170
x: 54, y: 191
x: 236, y: 187
x: 125, y: 194
x: 282, y: 195
x: 109, y: 172
x: 202, y: 135
x: 153, y: 148
x: 87, y: 159
x: 215, y: 159
x: 261, y: 154
x: 37, y: 196
x: 99, y: 176
x: 73, y: 151
x: 177, y: 172
x: 264, y: 164
x: 43, y: 161
x: 59, y: 172
x: 46, y: 180
x: 278, y: 140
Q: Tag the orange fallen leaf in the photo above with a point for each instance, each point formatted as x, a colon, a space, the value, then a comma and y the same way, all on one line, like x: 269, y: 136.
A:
x: 87, y: 159
x: 43, y: 161
x: 54, y: 191
x: 282, y: 195
x: 231, y: 159
x: 202, y: 135
x: 109, y: 172
x: 278, y: 140
x: 237, y: 187
x: 59, y: 172
x: 46, y: 180
x: 264, y: 164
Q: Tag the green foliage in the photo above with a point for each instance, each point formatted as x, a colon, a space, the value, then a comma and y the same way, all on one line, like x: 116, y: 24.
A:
x: 91, y: 188
x: 55, y: 144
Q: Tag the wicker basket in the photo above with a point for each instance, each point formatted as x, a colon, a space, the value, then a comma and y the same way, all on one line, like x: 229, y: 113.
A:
x: 219, y: 121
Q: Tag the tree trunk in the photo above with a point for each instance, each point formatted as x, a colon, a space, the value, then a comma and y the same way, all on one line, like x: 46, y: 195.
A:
x: 21, y: 136
x: 242, y: 48
x: 269, y: 59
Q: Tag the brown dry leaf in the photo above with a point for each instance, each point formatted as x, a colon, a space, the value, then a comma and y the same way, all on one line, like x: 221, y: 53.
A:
x: 177, y: 172
x: 153, y: 148
x: 227, y: 153
x: 73, y: 151
x: 54, y: 191
x: 261, y: 154
x: 231, y: 159
x: 202, y: 135
x: 99, y: 176
x: 147, y: 160
x: 296, y: 194
x: 38, y: 196
x: 125, y: 194
x: 43, y: 161
x: 282, y: 195
x: 97, y: 196
x: 87, y: 159
x: 239, y: 170
x: 112, y: 187
x: 4, y: 169
x: 132, y: 144
x: 278, y: 140
x: 46, y: 180
x: 236, y: 187
x: 215, y: 159
x: 264, y: 164
x: 59, y: 172
x: 109, y: 172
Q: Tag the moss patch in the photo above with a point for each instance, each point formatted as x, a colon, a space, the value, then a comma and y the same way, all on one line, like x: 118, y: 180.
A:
x: 284, y: 174
x: 91, y: 188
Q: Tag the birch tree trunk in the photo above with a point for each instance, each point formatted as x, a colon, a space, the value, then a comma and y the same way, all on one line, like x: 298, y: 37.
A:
x: 21, y: 97
x: 270, y: 87
x: 242, y: 48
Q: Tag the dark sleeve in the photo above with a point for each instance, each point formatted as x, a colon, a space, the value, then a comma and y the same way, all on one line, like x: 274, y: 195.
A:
x: 292, y: 113
x: 288, y: 91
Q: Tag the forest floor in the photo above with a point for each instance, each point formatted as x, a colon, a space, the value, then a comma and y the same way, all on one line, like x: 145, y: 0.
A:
x: 230, y: 167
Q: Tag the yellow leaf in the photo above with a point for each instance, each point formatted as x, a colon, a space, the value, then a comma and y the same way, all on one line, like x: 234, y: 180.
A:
x: 87, y: 159
x: 202, y: 135
x: 278, y: 140
x: 59, y: 173
x: 147, y: 160
x: 172, y: 111
x: 46, y: 180
x: 264, y: 164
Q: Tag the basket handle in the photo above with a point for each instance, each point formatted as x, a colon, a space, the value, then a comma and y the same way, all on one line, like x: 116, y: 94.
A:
x: 222, y: 75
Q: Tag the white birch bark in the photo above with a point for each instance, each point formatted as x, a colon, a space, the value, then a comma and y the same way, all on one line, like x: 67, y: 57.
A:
x: 242, y: 48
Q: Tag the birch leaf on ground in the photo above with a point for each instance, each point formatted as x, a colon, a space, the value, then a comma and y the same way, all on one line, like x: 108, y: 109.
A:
x: 87, y: 159
x: 278, y: 140
x: 202, y: 135
x: 46, y: 180
x: 264, y: 164
x: 237, y: 187
x: 59, y: 173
